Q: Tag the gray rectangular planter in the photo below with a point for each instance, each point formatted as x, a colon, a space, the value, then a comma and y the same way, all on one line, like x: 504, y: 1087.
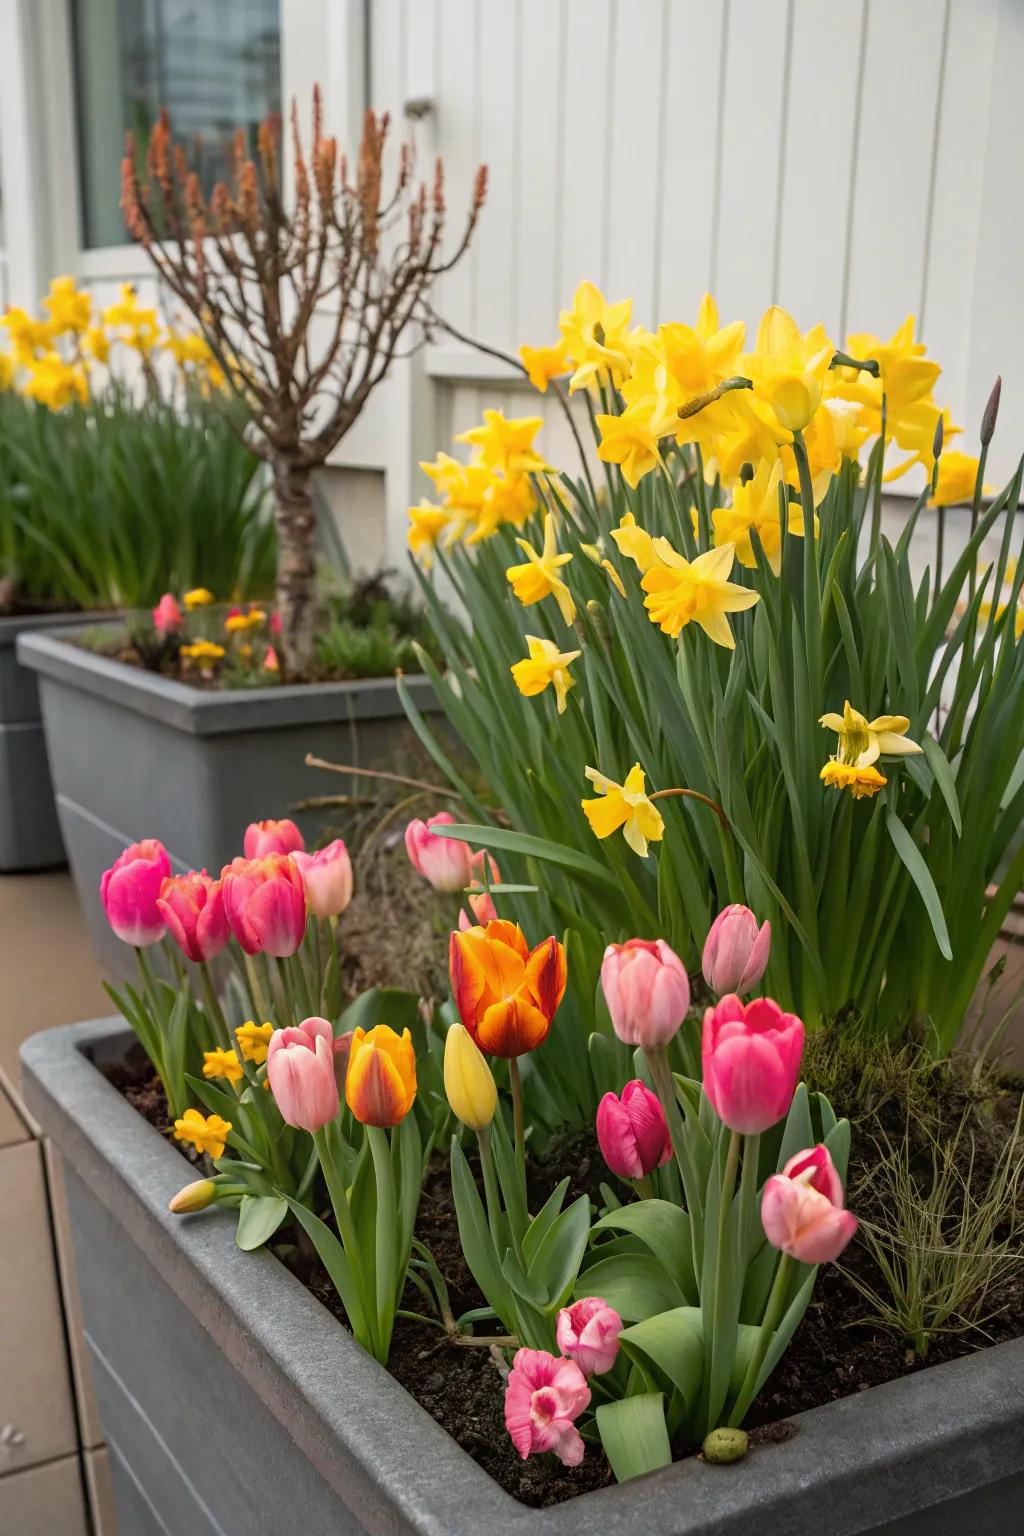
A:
x: 29, y: 831
x: 233, y: 1401
x: 137, y: 755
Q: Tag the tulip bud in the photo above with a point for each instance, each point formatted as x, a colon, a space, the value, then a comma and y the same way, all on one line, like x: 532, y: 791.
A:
x: 194, y: 1197
x: 647, y: 991
x: 444, y: 861
x: 467, y: 1080
x: 632, y: 1131
x: 751, y: 1058
x: 265, y: 837
x: 326, y: 877
x: 588, y: 1332
x: 736, y: 951
x: 167, y: 616
x: 802, y: 1209
x: 991, y: 413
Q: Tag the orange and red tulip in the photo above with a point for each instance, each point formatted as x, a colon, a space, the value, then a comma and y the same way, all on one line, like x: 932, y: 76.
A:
x: 380, y: 1084
x: 506, y: 993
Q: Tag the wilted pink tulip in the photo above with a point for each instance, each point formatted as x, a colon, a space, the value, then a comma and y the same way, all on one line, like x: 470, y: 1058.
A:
x: 129, y: 890
x: 263, y: 837
x: 802, y: 1209
x: 632, y: 1131
x: 192, y: 906
x: 646, y: 989
x: 588, y: 1332
x: 265, y: 902
x: 167, y: 616
x: 484, y: 911
x: 447, y: 864
x: 301, y: 1070
x: 751, y: 1058
x: 736, y: 951
x: 543, y: 1397
x: 327, y: 877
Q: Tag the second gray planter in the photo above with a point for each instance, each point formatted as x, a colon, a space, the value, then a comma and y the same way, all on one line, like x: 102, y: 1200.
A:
x: 137, y: 755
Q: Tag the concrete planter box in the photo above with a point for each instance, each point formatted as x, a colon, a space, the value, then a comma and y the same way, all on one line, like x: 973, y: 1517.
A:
x: 137, y: 755
x: 232, y: 1401
x: 29, y: 830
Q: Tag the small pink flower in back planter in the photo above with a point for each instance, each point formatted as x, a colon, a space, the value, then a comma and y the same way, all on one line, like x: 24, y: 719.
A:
x: 588, y: 1332
x: 802, y: 1209
x: 270, y: 661
x: 129, y: 891
x: 736, y: 951
x: 265, y: 902
x: 750, y: 1056
x: 167, y: 615
x: 441, y: 860
x: 263, y: 837
x: 327, y: 877
x: 192, y: 906
x: 647, y: 991
x: 543, y: 1398
x: 632, y: 1131
x: 301, y: 1071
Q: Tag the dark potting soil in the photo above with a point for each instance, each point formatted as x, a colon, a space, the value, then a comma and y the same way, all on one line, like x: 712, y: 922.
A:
x: 836, y: 1351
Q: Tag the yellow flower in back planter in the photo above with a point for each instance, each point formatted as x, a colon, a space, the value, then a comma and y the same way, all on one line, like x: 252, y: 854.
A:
x: 624, y: 805
x: 538, y: 576
x: 68, y: 307
x: 543, y: 364
x: 426, y: 524
x: 788, y: 368
x: 507, y: 443
x: 55, y: 383
x: 207, y: 1133
x: 203, y: 650
x: 198, y: 597
x: 680, y: 592
x: 253, y: 1040
x: 546, y: 666
x: 221, y: 1063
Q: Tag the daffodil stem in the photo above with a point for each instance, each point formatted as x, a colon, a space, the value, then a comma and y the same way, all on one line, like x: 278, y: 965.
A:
x: 979, y: 479
x: 772, y: 1318
x: 518, y: 1123
x: 694, y: 794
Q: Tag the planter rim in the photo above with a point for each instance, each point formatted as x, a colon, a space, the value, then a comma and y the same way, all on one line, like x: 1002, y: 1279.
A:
x: 14, y: 624
x: 895, y: 1449
x: 203, y: 712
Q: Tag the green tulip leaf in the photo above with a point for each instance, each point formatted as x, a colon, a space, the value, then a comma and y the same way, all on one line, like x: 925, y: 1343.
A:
x: 634, y: 1435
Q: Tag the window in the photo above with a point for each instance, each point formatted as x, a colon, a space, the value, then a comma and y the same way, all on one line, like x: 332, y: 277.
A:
x: 214, y: 64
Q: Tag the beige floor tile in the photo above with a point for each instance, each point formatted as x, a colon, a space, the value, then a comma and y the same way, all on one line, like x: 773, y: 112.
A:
x: 44, y: 1501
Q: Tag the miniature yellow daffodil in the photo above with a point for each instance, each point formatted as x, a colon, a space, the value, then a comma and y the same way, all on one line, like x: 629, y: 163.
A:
x: 97, y: 343
x: 207, y: 1133
x: 849, y: 430
x: 253, y: 1041
x: 681, y: 591
x: 426, y: 524
x: 54, y: 382
x: 507, y: 499
x: 545, y: 666
x: 862, y: 742
x: 788, y: 368
x: 861, y: 782
x: 28, y: 336
x: 198, y: 597
x: 222, y: 1063
x: 538, y: 576
x: 624, y: 805
x: 635, y: 543
x: 628, y: 441
x: 203, y: 650
x: 957, y: 475
x: 755, y: 506
x: 137, y: 325
x: 543, y: 364
x: 68, y: 307
x: 595, y: 335
x: 506, y: 444
x: 750, y: 432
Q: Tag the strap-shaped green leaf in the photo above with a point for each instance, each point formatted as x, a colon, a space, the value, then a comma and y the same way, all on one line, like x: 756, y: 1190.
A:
x: 529, y: 846
x: 259, y: 1217
x: 921, y: 876
x: 634, y: 1435
x: 635, y: 1284
x: 665, y: 1229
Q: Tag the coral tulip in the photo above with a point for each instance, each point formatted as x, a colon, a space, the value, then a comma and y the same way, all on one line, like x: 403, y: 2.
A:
x: 736, y: 951
x: 192, y: 906
x: 265, y: 902
x: 263, y: 837
x: 802, y: 1209
x: 483, y: 909
x: 380, y: 1084
x: 300, y: 1068
x: 751, y: 1059
x: 468, y: 1083
x: 130, y: 890
x: 646, y: 989
x: 167, y: 616
x: 632, y: 1131
x: 543, y: 1397
x: 327, y: 878
x: 506, y: 993
x: 588, y: 1332
x: 443, y: 861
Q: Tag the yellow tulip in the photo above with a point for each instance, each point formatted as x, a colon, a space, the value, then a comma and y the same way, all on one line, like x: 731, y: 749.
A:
x: 545, y: 666
x: 681, y: 591
x: 538, y: 577
x: 194, y: 1197
x: 624, y: 805
x: 468, y: 1083
x: 788, y: 368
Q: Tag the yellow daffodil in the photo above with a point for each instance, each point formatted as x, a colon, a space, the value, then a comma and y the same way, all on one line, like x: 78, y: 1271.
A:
x: 788, y: 368
x: 28, y: 336
x: 253, y: 1040
x: 862, y: 742
x: 203, y: 650
x: 97, y: 343
x: 624, y: 805
x: 507, y: 499
x: 207, y: 1133
x: 198, y: 597
x: 681, y: 591
x: 628, y: 441
x: 861, y: 782
x: 906, y: 379
x: 985, y: 613
x: 849, y: 430
x: 55, y: 383
x: 240, y: 623
x: 538, y: 576
x: 755, y: 506
x: 463, y: 488
x: 221, y: 1063
x: 69, y: 308
x: 613, y: 577
x: 6, y: 370
x: 426, y: 524
x: 137, y: 325
x: 506, y: 444
x: 635, y: 543
x: 957, y: 475
x: 545, y: 666
x: 543, y: 364
x: 749, y: 433
x: 596, y: 338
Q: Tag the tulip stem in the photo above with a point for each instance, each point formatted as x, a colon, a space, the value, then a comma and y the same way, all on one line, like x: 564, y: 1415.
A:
x: 214, y: 1011
x: 643, y: 1186
x: 258, y: 991
x: 664, y: 1085
x: 748, y: 1197
x: 361, y: 1327
x: 772, y: 1318
x: 387, y: 1227
x: 516, y: 1084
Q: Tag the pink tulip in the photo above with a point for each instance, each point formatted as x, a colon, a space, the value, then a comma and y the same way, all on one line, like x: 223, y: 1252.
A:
x: 300, y: 1067
x: 129, y: 891
x: 270, y: 661
x: 483, y: 908
x: 646, y: 989
x: 632, y: 1131
x: 447, y: 864
x: 588, y: 1332
x: 802, y: 1209
x: 751, y: 1060
x: 736, y: 951
x: 543, y: 1397
x: 263, y: 837
x: 192, y: 906
x: 327, y: 878
x: 265, y: 902
x: 167, y: 616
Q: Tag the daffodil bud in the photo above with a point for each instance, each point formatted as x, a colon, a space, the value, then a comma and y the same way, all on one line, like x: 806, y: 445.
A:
x: 467, y: 1080
x: 988, y: 420
x: 194, y: 1197
x: 937, y: 439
